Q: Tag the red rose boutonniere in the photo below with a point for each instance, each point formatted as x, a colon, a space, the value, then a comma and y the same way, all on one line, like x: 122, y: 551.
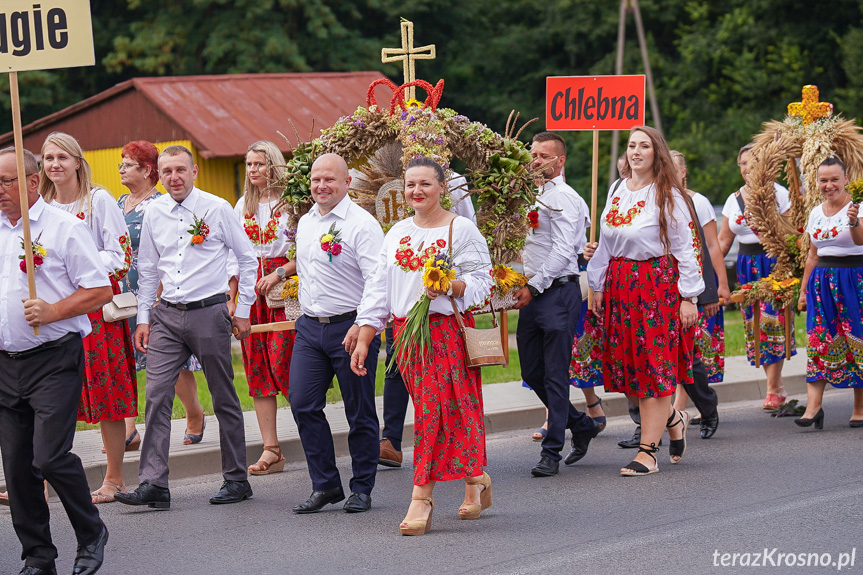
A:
x: 533, y: 220
x: 39, y: 254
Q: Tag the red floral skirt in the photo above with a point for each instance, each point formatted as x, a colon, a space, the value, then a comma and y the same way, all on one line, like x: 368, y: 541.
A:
x: 267, y: 356
x: 645, y: 352
x: 449, y: 431
x: 110, y: 390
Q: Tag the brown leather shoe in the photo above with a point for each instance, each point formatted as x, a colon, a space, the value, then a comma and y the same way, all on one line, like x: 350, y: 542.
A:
x: 389, y: 456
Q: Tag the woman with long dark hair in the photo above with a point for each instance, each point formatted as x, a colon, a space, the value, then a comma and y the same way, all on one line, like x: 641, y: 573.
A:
x: 646, y: 278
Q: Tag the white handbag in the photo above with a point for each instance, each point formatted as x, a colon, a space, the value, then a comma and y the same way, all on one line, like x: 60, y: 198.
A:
x: 122, y: 306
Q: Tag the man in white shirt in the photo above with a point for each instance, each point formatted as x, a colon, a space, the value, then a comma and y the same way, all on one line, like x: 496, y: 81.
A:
x: 550, y: 305
x: 186, y: 237
x: 338, y: 244
x: 41, y: 375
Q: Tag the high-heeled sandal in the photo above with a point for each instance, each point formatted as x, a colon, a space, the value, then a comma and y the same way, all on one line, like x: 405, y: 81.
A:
x: 601, y: 420
x: 540, y: 433
x: 264, y: 467
x: 418, y: 526
x: 637, y: 469
x: 191, y: 438
x: 818, y: 420
x: 677, y: 447
x: 133, y: 442
x: 98, y: 497
x: 471, y: 510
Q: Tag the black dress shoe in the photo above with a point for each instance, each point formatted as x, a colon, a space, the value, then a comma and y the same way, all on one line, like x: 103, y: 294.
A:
x: 580, y: 443
x: 709, y: 425
x: 633, y: 442
x: 30, y: 570
x: 318, y: 499
x: 358, y: 502
x: 90, y: 557
x: 146, y: 494
x: 232, y: 492
x: 545, y: 468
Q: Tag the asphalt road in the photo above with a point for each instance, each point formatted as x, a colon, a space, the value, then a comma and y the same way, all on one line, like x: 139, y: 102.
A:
x: 760, y: 483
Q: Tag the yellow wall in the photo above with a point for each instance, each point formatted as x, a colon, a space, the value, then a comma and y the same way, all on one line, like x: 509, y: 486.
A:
x: 215, y: 176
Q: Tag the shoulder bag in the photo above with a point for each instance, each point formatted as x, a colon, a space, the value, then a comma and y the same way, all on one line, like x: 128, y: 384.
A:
x: 482, y: 347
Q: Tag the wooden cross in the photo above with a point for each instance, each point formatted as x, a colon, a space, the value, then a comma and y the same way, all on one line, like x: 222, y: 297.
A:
x: 810, y: 108
x: 408, y: 54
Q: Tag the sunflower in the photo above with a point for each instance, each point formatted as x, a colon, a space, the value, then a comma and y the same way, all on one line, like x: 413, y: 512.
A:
x: 438, y: 279
x: 507, y: 278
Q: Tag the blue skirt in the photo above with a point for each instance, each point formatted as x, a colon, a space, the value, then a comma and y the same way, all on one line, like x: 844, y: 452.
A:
x: 751, y: 268
x: 585, y: 367
x: 710, y: 344
x: 834, y: 302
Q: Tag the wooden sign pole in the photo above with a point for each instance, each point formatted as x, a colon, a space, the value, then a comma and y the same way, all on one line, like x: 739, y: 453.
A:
x: 594, y: 193
x: 22, y: 186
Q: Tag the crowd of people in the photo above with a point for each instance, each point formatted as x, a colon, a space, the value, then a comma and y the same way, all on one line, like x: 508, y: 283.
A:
x: 201, y: 270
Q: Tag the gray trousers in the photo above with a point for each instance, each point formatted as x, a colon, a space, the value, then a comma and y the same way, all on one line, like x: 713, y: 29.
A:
x: 174, y: 336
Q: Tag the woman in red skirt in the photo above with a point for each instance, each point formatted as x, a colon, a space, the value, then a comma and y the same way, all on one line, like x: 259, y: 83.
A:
x: 449, y: 434
x: 266, y: 356
x: 110, y: 392
x: 646, y: 276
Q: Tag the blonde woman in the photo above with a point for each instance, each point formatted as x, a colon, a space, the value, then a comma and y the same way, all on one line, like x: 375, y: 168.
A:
x: 266, y: 356
x: 110, y: 392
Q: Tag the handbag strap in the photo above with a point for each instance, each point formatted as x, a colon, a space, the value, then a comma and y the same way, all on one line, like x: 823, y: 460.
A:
x: 452, y: 300
x: 740, y: 203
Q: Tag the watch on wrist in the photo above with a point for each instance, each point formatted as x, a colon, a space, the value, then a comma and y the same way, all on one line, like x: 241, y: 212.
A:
x: 692, y: 300
x: 280, y: 271
x: 855, y: 224
x: 449, y: 290
x: 533, y: 291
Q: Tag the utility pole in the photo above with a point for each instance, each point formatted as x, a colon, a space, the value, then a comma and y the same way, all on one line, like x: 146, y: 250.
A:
x: 627, y: 6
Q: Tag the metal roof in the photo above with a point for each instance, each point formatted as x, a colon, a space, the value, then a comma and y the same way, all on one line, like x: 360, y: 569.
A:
x: 223, y: 114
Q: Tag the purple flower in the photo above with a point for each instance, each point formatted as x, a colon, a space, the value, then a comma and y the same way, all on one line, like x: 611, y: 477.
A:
x: 291, y: 234
x: 414, y: 137
x: 404, y: 115
x: 439, y: 140
x: 516, y: 217
x: 360, y: 124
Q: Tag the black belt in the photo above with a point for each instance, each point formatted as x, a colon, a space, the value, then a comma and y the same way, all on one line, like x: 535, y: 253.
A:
x: 840, y: 262
x: 750, y: 249
x: 333, y: 318
x: 40, y: 348
x: 212, y: 300
x: 562, y: 280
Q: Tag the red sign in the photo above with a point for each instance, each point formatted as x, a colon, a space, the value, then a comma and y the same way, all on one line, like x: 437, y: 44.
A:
x: 594, y: 102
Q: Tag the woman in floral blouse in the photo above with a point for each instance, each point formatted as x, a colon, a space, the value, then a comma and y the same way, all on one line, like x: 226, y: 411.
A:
x: 832, y: 295
x: 110, y: 391
x: 753, y: 263
x: 266, y: 356
x: 646, y: 278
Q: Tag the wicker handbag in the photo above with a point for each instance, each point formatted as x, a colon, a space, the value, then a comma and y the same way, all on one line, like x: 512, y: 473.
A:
x: 274, y: 296
x: 482, y: 347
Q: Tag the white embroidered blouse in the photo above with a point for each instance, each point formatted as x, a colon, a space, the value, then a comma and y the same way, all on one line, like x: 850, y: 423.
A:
x: 831, y: 235
x: 629, y: 229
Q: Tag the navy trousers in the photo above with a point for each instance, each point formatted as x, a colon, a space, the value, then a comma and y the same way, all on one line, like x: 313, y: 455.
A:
x: 546, y: 330
x: 396, y: 398
x: 319, y: 355
x: 39, y: 398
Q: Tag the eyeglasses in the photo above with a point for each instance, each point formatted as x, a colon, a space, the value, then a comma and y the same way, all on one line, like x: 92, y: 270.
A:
x: 124, y: 167
x: 8, y: 183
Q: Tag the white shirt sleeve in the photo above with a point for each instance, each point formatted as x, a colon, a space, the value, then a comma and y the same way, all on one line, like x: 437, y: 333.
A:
x: 111, y: 233
x: 567, y: 226
x: 239, y: 245
x: 148, y: 273
x: 682, y: 237
x: 233, y: 266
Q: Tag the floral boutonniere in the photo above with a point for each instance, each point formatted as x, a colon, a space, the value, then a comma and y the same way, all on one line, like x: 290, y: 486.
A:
x: 533, y: 220
x: 199, y: 230
x: 39, y: 253
x: 330, y: 242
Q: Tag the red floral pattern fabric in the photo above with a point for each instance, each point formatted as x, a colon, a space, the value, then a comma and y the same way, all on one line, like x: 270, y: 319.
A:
x: 646, y: 353
x: 110, y: 391
x: 449, y: 431
x: 267, y: 356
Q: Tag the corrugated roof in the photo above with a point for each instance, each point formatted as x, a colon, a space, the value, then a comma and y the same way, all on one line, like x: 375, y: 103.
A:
x: 223, y: 114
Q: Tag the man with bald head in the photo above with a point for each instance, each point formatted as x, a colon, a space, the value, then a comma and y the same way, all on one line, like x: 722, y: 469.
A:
x: 338, y: 244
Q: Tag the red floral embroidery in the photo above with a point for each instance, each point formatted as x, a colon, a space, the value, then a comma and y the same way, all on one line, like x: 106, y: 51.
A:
x: 615, y: 220
x: 259, y: 237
